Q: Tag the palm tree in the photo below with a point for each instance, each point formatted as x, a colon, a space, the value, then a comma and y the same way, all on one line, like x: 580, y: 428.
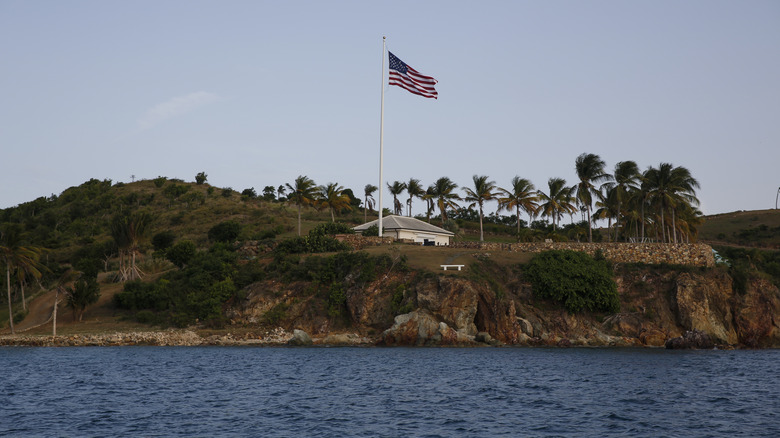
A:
x: 560, y: 200
x: 368, y: 193
x: 15, y: 255
x: 302, y: 193
x: 523, y: 196
x: 415, y: 190
x: 127, y: 231
x: 670, y: 187
x: 430, y: 198
x: 625, y: 180
x: 61, y: 286
x: 22, y: 273
x: 396, y: 189
x: 607, y: 208
x: 445, y: 198
x: 280, y: 191
x: 483, y: 191
x: 590, y: 171
x: 332, y: 196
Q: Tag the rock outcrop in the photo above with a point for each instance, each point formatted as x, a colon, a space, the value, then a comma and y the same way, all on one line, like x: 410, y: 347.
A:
x: 441, y: 310
x: 692, y: 339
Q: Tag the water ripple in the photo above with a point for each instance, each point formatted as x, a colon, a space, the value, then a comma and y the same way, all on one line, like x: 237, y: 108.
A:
x: 372, y: 392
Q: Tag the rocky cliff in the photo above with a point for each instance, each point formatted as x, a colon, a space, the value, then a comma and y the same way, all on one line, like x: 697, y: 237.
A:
x: 419, y: 308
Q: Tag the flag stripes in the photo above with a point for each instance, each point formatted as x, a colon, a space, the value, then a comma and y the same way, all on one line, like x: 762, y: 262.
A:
x: 410, y: 79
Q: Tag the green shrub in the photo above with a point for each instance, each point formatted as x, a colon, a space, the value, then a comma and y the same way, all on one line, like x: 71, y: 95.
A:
x: 373, y: 230
x: 163, y: 240
x: 227, y: 231
x: 181, y: 253
x: 159, y: 181
x: 201, y: 178
x: 331, y: 228
x: 575, y: 280
x: 146, y: 317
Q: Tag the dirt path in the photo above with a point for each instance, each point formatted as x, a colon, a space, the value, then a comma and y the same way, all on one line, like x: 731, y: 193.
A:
x: 39, y: 312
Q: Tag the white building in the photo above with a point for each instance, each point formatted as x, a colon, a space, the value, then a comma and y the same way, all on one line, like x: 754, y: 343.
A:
x: 409, y: 228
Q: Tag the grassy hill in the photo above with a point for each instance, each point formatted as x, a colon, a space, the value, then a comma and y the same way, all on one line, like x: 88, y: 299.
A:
x: 76, y: 226
x: 757, y: 228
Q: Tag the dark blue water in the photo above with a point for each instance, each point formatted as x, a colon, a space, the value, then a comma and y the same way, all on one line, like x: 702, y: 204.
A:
x: 390, y: 392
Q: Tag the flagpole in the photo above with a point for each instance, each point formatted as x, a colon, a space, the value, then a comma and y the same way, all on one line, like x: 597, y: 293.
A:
x: 381, y: 137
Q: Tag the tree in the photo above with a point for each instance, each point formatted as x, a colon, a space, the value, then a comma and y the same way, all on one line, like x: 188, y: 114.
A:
x: 415, y: 190
x: 590, y: 171
x: 280, y: 191
x: 442, y: 191
x: 302, y: 193
x: 83, y: 293
x: 430, y: 198
x: 128, y: 230
x: 181, y: 253
x: 483, y: 191
x: 332, y: 196
x: 61, y: 287
x: 607, y: 208
x: 226, y: 232
x: 523, y: 196
x: 558, y: 201
x: 15, y: 255
x: 669, y: 187
x: 269, y: 193
x: 396, y: 189
x: 625, y: 181
x: 201, y: 178
x: 248, y: 194
x: 368, y: 196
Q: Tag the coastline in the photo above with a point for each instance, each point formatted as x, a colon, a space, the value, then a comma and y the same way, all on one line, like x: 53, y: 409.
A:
x: 175, y: 338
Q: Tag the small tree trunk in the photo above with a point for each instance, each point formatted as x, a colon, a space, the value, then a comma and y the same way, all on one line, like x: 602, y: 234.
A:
x: 24, y: 302
x: 10, y: 307
x: 481, y: 233
x: 54, y: 313
x: 299, y: 220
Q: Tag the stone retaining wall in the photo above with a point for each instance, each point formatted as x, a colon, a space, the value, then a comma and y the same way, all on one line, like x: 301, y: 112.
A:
x: 694, y: 254
x: 359, y: 242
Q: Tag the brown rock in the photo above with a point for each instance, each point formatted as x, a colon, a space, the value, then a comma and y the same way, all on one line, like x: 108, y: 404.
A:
x: 703, y: 303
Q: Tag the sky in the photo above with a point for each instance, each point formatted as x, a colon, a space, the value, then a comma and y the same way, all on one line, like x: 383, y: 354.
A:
x: 256, y: 93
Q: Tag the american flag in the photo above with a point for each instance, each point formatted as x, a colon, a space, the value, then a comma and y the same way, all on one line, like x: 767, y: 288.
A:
x: 410, y: 79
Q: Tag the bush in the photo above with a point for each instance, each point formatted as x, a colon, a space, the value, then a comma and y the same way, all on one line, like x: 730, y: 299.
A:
x: 159, y: 181
x: 227, y: 231
x: 181, y: 253
x: 163, y: 240
x: 201, y: 178
x: 331, y: 228
x: 373, y: 230
x: 574, y: 279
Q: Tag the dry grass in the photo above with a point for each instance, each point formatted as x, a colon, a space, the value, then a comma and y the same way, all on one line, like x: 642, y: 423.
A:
x: 431, y: 258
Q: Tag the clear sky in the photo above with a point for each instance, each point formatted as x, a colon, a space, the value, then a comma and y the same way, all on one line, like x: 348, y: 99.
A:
x: 255, y: 93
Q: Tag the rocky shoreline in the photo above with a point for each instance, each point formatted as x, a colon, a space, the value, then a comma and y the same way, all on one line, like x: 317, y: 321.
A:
x: 279, y: 337
x: 180, y: 338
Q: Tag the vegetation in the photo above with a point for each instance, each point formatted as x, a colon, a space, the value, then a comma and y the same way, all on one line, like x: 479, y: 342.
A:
x: 302, y: 194
x: 574, y: 279
x: 101, y: 226
x: 482, y: 192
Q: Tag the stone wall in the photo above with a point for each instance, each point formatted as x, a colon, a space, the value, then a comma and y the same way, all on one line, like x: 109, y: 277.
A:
x: 358, y: 242
x: 694, y: 254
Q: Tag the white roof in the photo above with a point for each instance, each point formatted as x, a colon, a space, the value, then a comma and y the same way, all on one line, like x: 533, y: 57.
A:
x: 394, y: 222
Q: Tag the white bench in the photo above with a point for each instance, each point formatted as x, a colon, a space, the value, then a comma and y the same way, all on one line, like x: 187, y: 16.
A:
x: 452, y: 266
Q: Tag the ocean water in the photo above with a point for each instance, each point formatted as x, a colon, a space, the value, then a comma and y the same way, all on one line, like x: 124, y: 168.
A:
x: 387, y: 392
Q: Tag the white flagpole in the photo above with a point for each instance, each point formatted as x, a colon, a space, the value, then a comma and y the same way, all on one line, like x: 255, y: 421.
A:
x: 381, y: 137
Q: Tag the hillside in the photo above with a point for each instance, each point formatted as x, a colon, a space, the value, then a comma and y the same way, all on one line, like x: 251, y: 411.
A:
x: 213, y: 289
x: 758, y: 229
